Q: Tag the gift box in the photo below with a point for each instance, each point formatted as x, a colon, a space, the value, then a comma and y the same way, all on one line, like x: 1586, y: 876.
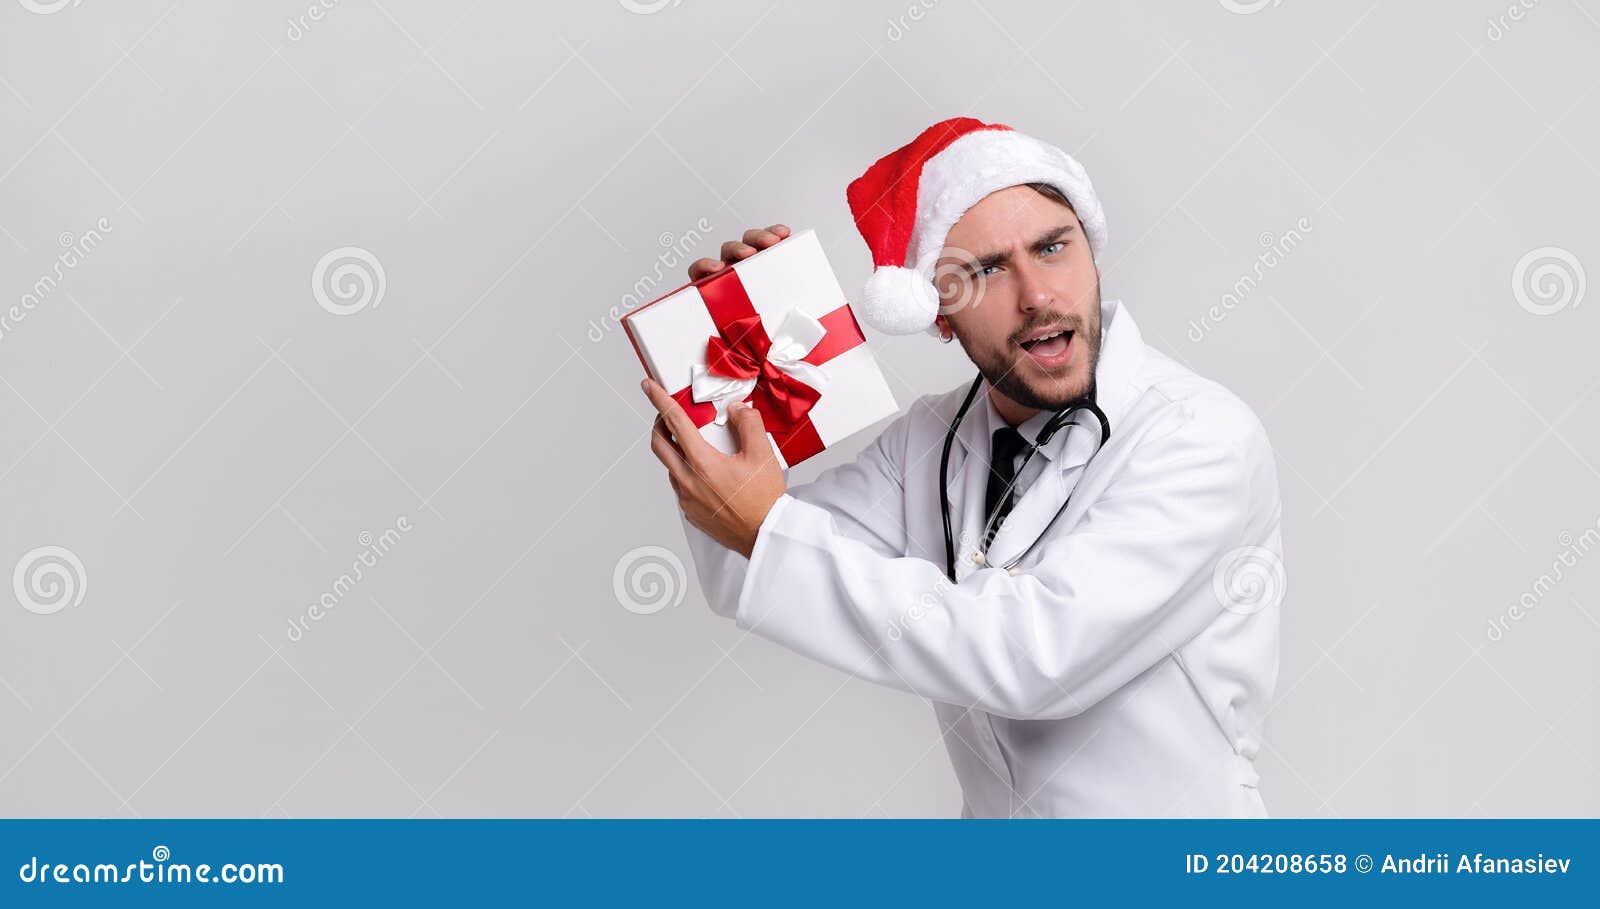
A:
x: 773, y: 330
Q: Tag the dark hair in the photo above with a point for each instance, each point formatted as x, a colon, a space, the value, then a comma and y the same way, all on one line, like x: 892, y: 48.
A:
x: 1050, y: 192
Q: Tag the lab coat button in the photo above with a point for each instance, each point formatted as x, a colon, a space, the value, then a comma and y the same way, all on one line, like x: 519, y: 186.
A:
x: 977, y: 557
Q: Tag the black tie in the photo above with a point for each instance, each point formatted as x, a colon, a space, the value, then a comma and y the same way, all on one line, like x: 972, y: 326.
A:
x: 1008, y: 443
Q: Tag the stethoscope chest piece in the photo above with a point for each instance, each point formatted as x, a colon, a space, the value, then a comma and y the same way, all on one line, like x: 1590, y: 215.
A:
x: 981, y: 560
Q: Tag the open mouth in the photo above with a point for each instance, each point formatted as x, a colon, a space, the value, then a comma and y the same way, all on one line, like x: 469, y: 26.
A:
x: 1050, y: 347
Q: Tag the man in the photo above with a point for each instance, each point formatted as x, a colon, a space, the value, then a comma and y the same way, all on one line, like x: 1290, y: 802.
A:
x: 1106, y: 640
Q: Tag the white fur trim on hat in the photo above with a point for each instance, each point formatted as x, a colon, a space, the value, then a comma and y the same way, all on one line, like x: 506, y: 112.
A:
x: 898, y: 301
x: 986, y: 161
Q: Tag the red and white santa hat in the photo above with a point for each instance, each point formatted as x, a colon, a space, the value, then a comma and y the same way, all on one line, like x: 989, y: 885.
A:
x: 907, y: 201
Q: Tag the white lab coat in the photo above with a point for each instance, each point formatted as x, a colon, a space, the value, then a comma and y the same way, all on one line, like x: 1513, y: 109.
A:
x: 1125, y: 669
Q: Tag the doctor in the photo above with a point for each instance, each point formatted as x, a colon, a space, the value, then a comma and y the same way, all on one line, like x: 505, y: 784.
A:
x: 1092, y: 604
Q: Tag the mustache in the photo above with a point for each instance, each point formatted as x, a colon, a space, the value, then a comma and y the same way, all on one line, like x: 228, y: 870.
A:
x: 1047, y: 322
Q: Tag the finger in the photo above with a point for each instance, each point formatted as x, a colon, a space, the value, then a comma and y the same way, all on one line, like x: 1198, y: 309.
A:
x: 748, y: 428
x: 682, y: 428
x: 684, y: 476
x: 759, y: 238
x: 782, y: 230
x: 702, y: 267
x: 665, y: 449
x: 733, y: 251
x: 668, y: 455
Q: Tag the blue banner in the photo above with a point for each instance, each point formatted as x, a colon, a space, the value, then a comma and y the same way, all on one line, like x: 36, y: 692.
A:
x: 798, y: 862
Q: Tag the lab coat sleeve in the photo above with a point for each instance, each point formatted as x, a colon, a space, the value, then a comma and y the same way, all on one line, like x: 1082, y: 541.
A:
x: 1131, y: 583
x: 863, y: 498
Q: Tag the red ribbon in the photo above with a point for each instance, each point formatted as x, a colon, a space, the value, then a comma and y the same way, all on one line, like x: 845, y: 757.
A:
x: 739, y: 350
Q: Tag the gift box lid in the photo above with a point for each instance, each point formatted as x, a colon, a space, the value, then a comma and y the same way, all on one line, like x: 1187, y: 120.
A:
x: 670, y: 336
x: 669, y: 332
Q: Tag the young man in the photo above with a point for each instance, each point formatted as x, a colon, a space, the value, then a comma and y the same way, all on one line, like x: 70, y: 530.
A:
x: 1108, y: 643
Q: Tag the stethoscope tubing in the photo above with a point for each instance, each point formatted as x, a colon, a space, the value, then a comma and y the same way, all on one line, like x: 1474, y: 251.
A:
x: 1061, y: 418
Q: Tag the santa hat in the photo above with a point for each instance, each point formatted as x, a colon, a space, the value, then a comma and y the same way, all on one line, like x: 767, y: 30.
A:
x: 907, y: 201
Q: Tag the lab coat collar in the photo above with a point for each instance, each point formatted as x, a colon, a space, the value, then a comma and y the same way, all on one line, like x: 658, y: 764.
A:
x: 1121, y: 354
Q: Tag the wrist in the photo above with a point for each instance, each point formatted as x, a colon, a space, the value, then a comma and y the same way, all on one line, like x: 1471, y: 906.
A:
x: 748, y: 540
x: 753, y: 525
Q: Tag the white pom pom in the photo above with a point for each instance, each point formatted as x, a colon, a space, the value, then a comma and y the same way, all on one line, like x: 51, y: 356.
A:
x: 898, y: 301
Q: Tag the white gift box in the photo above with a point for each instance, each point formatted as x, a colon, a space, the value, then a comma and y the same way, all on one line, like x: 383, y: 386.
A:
x: 773, y: 330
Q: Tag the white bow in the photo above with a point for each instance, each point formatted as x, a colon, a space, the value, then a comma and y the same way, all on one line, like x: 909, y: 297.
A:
x: 795, y: 338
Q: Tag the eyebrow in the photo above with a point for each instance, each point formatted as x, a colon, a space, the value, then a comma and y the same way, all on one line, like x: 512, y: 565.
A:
x: 994, y: 259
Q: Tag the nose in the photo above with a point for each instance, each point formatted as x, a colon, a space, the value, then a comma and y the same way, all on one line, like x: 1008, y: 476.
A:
x: 1033, y: 293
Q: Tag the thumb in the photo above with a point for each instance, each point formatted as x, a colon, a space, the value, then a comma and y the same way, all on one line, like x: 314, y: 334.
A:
x: 748, y: 427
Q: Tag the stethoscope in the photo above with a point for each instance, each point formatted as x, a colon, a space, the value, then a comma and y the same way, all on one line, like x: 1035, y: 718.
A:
x: 1058, y: 420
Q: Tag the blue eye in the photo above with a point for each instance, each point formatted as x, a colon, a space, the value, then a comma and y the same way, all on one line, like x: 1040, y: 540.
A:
x: 986, y: 270
x: 1053, y: 248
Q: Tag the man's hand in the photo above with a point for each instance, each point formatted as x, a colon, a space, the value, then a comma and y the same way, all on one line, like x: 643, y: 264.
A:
x: 755, y: 239
x: 727, y: 496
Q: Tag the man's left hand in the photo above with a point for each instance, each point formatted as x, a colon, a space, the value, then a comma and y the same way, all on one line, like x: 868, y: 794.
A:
x: 727, y: 496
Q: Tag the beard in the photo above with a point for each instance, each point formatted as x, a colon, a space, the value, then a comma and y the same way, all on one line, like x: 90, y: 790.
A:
x: 998, y: 365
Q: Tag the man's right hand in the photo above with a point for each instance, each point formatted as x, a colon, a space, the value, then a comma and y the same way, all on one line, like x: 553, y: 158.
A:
x: 755, y: 239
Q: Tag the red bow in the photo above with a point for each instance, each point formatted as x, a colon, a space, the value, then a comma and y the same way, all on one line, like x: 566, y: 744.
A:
x: 740, y: 350
x: 777, y: 394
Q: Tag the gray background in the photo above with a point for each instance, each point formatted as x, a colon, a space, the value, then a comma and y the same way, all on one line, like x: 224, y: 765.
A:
x: 210, y: 443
